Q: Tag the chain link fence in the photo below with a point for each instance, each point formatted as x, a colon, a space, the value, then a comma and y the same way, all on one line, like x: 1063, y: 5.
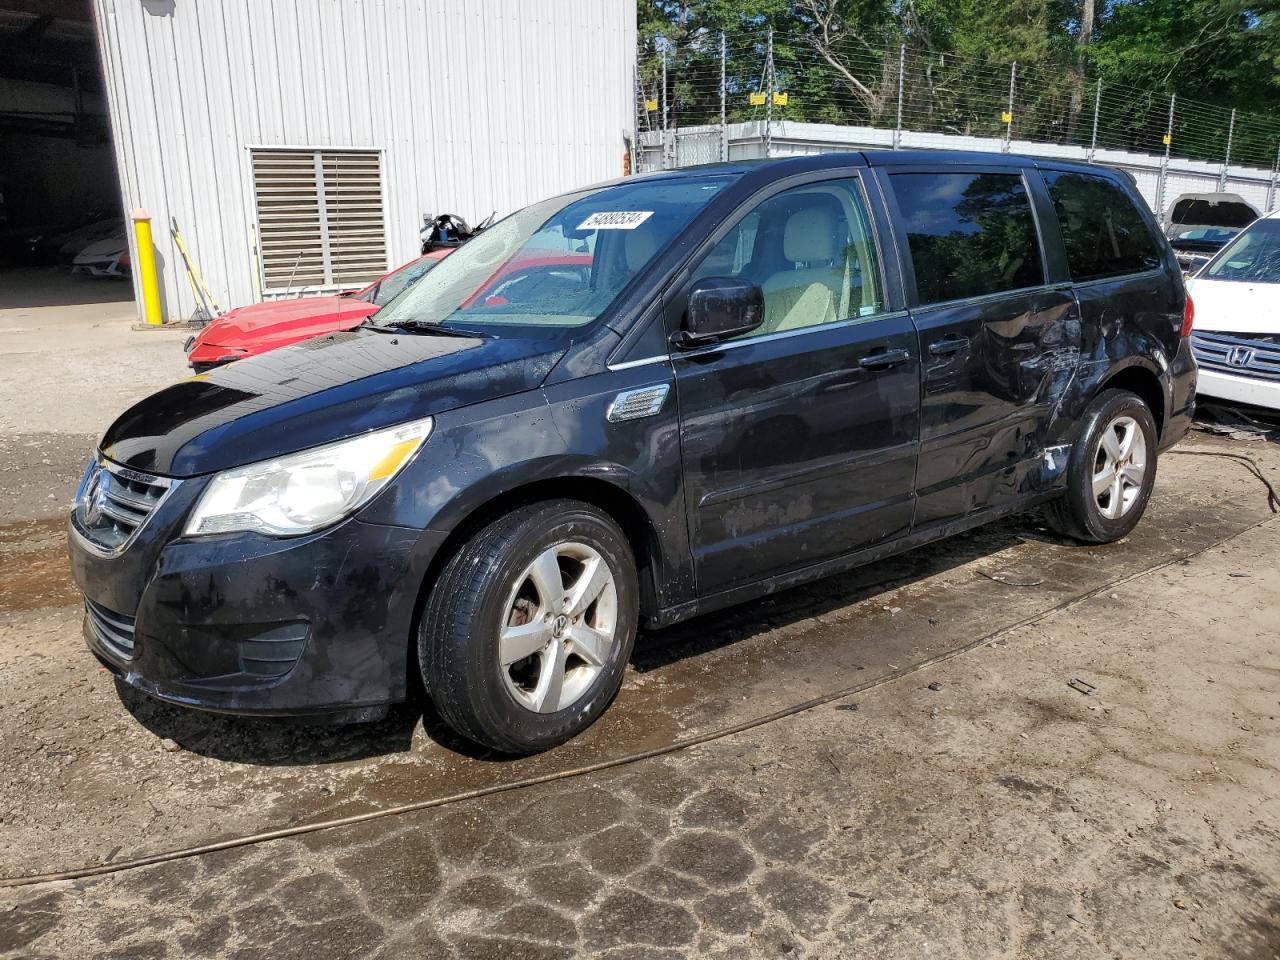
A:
x: 713, y: 99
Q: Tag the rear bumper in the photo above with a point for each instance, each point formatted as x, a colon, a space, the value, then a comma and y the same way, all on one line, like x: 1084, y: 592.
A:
x: 1248, y: 390
x: 1181, y: 409
x: 254, y: 625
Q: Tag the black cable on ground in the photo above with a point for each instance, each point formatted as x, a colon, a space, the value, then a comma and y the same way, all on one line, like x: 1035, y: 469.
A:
x: 1273, y: 498
x: 674, y: 747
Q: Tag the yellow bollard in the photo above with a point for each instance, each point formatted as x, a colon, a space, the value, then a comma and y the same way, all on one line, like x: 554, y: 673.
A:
x: 146, y: 267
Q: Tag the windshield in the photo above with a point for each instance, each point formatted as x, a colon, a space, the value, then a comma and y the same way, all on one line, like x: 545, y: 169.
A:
x: 555, y: 266
x: 395, y: 283
x: 1253, y: 256
x: 1218, y: 235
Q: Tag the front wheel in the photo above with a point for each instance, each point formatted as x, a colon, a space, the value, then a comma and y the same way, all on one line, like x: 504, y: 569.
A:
x: 1111, y: 471
x: 529, y: 627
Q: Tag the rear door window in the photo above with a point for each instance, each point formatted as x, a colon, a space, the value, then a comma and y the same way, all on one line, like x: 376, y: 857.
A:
x: 970, y: 234
x: 1104, y: 232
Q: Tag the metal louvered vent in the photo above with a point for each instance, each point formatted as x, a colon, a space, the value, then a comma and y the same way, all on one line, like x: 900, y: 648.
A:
x: 320, y: 218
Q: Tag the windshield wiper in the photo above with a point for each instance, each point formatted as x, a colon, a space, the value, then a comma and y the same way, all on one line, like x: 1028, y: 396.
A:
x: 424, y: 326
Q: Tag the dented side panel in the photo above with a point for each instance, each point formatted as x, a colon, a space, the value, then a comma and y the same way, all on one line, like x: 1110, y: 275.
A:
x: 991, y: 403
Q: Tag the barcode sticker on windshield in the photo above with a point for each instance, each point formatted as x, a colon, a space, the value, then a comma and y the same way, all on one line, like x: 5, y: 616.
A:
x: 616, y: 220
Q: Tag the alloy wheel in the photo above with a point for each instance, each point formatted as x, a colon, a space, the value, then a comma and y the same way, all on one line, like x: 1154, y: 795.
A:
x: 559, y: 627
x: 1119, y: 467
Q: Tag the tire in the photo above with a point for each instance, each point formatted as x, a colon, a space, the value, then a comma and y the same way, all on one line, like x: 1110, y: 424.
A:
x: 493, y: 586
x: 1114, y: 511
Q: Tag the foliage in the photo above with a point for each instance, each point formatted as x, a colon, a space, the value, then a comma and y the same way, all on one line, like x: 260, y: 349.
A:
x: 838, y: 61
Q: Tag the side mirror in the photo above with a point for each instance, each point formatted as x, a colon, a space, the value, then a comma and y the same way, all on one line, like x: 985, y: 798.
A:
x: 720, y: 308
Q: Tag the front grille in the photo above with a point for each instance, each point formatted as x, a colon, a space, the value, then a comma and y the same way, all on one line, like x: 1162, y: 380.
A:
x: 113, y: 630
x: 1256, y: 356
x: 114, y: 502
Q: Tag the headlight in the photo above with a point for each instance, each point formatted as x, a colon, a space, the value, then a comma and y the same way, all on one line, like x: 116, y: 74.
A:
x: 309, y: 490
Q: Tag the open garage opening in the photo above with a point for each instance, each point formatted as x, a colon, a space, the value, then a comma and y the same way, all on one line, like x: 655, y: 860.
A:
x: 62, y: 230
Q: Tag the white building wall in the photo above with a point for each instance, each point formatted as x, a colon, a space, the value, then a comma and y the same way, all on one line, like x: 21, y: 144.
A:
x: 477, y: 105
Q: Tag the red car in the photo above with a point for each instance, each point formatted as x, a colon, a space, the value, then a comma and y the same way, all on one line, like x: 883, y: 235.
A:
x: 259, y: 327
x: 247, y: 331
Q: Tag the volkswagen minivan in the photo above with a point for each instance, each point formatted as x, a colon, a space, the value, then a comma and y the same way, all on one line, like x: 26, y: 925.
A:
x: 772, y: 371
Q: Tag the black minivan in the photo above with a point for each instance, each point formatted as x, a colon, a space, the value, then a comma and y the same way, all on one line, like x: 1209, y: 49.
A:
x: 755, y: 374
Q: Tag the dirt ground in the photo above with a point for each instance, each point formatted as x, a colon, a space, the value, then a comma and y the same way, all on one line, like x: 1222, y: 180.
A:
x: 1042, y: 750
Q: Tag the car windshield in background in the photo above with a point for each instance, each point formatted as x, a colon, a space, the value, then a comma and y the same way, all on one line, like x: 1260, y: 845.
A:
x: 1217, y: 235
x: 1253, y: 256
x: 554, y: 266
x: 397, y: 283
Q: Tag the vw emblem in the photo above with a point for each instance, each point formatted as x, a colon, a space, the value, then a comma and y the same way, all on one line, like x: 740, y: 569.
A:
x: 1240, y: 356
x: 93, y: 498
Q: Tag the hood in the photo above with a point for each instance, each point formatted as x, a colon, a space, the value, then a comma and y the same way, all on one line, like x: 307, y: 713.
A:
x: 318, y: 391
x: 1210, y: 210
x: 1234, y: 306
x: 111, y: 247
x: 280, y: 319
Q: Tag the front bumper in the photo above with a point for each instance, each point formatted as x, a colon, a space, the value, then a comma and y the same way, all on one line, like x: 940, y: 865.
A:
x: 255, y: 625
x: 203, y: 357
x: 1248, y: 390
x: 101, y: 268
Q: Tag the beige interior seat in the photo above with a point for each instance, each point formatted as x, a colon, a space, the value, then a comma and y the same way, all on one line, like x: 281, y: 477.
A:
x: 809, y: 295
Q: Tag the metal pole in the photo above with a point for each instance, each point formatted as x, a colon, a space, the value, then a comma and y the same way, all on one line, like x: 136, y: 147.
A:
x: 642, y: 111
x: 1275, y: 176
x: 902, y: 70
x: 768, y: 95
x: 1093, y: 141
x: 724, y: 130
x: 1164, y: 164
x: 145, y: 267
x: 1226, y: 160
x: 665, y: 149
x: 1008, y: 127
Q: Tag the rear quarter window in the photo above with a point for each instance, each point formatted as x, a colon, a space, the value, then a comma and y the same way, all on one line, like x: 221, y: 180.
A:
x: 970, y: 234
x: 1104, y: 233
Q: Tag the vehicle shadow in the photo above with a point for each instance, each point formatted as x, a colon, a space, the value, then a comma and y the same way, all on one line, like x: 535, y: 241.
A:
x: 657, y: 649
x: 309, y: 741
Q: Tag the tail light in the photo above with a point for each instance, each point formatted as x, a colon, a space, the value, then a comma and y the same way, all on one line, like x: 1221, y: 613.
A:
x: 1188, y: 316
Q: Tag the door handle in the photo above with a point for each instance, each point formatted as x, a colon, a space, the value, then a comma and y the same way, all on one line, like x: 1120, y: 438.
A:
x: 942, y: 348
x: 884, y: 358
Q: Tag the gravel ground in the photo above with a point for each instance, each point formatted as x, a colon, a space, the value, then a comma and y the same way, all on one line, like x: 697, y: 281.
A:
x: 977, y: 807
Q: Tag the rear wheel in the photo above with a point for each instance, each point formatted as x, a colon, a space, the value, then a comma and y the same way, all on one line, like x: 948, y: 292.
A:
x: 1111, y: 471
x: 526, y: 633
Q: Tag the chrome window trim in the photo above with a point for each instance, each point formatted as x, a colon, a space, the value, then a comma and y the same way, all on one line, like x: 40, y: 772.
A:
x: 642, y: 362
x: 799, y: 331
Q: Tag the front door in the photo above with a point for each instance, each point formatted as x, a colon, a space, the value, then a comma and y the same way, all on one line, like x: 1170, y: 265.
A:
x: 799, y: 438
x: 999, y: 343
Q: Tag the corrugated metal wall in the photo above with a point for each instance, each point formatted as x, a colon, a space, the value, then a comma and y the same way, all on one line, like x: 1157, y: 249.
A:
x: 476, y: 105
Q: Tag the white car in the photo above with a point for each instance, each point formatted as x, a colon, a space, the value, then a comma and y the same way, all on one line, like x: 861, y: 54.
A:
x: 106, y: 258
x: 1236, y: 337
